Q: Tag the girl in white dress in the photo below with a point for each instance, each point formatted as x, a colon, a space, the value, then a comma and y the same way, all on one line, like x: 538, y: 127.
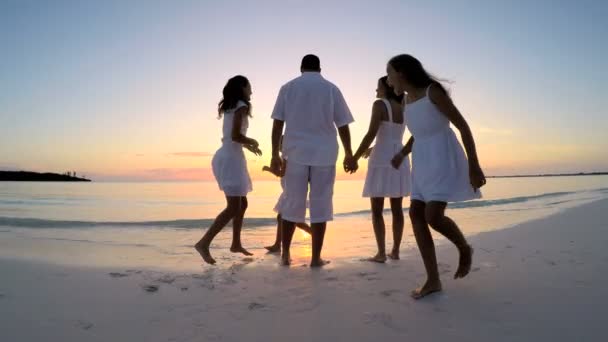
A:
x: 441, y: 172
x: 387, y: 126
x: 230, y: 166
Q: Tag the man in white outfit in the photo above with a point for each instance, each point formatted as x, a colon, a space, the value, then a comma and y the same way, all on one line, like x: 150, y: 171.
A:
x: 310, y: 108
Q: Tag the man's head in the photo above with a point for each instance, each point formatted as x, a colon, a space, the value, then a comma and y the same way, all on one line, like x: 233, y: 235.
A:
x: 310, y: 63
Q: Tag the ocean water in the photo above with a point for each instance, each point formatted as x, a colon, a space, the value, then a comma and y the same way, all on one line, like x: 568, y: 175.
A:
x: 155, y: 224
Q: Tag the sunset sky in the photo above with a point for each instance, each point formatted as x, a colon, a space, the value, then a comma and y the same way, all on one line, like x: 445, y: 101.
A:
x: 128, y: 90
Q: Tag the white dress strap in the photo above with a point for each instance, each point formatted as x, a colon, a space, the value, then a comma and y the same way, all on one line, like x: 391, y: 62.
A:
x: 427, y: 90
x: 389, y: 109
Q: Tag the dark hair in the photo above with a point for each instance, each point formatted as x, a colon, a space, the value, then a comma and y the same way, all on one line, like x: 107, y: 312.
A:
x: 390, y: 92
x: 234, y: 91
x: 311, y: 62
x: 412, y: 70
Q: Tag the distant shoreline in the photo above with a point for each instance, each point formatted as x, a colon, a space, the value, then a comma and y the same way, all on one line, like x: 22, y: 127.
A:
x: 27, y: 176
x: 553, y: 175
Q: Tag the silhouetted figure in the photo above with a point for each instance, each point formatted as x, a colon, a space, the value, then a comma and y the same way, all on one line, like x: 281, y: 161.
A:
x: 230, y: 166
x: 441, y: 172
x: 310, y: 108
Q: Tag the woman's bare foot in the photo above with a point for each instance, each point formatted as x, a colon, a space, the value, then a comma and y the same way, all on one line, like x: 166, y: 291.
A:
x: 274, y: 249
x: 203, y: 250
x: 427, y: 289
x: 379, y: 258
x: 240, y: 249
x: 393, y: 255
x: 285, y: 259
x: 319, y: 263
x: 464, y: 262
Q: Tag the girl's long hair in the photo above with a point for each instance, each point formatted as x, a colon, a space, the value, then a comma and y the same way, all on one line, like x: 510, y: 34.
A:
x: 233, y: 92
x: 414, y: 73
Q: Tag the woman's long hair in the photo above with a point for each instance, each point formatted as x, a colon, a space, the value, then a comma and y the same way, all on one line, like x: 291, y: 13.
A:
x: 234, y: 91
x: 412, y: 70
x: 389, y: 91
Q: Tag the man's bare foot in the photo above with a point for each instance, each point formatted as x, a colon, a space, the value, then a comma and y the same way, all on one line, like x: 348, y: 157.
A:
x: 319, y: 263
x: 427, y: 289
x: 240, y: 249
x: 274, y: 249
x: 393, y: 255
x: 464, y: 262
x: 285, y: 259
x: 203, y: 250
x: 379, y: 258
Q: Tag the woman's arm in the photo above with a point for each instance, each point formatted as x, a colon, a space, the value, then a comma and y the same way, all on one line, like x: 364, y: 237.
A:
x: 378, y: 111
x: 237, y: 136
x: 446, y: 107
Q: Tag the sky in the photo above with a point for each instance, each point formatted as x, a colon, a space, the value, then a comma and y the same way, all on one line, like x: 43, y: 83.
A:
x: 128, y: 90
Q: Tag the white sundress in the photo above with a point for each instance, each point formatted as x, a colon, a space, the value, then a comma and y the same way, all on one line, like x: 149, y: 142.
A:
x: 229, y: 164
x: 382, y: 179
x: 440, y: 170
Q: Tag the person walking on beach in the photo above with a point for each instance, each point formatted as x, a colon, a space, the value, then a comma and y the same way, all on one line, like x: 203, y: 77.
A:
x: 230, y: 166
x: 276, y: 246
x: 310, y: 107
x: 441, y: 171
x: 386, y: 126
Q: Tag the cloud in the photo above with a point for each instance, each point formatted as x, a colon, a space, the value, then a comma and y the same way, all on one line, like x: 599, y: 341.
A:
x: 190, y: 154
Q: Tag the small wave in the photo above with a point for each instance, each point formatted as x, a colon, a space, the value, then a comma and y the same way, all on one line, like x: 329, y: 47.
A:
x: 256, y: 222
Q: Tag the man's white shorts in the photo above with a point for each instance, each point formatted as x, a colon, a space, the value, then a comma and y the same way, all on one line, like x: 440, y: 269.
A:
x: 297, y: 178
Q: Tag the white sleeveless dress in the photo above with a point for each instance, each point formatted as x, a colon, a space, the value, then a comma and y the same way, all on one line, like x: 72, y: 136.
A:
x: 440, y: 170
x: 229, y: 163
x: 382, y: 179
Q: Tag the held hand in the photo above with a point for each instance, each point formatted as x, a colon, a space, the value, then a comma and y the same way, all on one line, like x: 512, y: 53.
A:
x: 397, y: 160
x: 268, y: 169
x: 476, y: 176
x: 277, y: 166
x: 350, y: 164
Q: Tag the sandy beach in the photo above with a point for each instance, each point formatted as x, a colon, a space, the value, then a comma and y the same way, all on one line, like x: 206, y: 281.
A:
x: 539, y: 281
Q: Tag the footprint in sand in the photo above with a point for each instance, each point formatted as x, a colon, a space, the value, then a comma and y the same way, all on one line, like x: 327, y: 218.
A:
x: 383, y: 318
x: 368, y: 275
x: 388, y: 293
x: 117, y: 275
x: 331, y: 278
x: 150, y: 288
x: 256, y: 306
x: 166, y: 279
x: 84, y: 325
x: 475, y: 269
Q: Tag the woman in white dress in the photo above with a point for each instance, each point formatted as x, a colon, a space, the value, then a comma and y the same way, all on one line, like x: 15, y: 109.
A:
x: 386, y: 126
x: 230, y: 166
x: 441, y: 172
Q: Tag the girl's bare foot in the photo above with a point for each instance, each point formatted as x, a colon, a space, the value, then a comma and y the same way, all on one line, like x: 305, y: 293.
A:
x: 319, y: 263
x: 427, y: 289
x: 464, y: 262
x: 379, y: 258
x: 240, y: 249
x: 393, y: 255
x: 203, y: 250
x: 285, y: 259
x: 274, y: 249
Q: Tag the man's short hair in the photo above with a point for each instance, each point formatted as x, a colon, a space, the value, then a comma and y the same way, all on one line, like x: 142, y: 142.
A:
x: 311, y: 62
